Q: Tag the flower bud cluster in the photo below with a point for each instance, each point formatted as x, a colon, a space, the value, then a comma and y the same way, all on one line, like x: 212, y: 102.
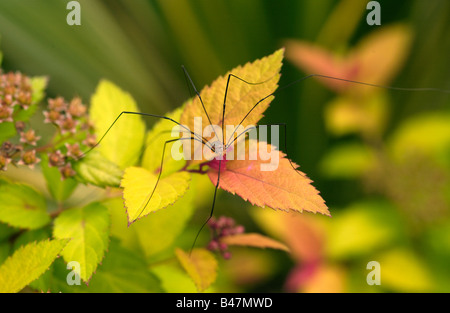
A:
x: 15, y: 96
x: 75, y: 130
x: 222, y: 227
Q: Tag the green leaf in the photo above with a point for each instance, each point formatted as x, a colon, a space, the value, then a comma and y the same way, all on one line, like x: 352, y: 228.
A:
x: 347, y: 161
x: 59, y: 188
x: 7, y: 130
x: 5, y: 247
x: 121, y: 271
x: 6, y: 231
x: 97, y: 170
x: 88, y: 227
x: 138, y: 184
x: 22, y: 206
x: 362, y: 228
x: 28, y: 263
x: 123, y: 143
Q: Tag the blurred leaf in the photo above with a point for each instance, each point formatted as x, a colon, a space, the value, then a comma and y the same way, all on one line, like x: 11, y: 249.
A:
x: 7, y: 130
x: 5, y: 247
x: 367, y: 116
x: 347, y: 161
x: 122, y: 271
x: 303, y: 234
x: 375, y: 60
x: 97, y: 170
x: 313, y: 59
x: 28, y: 263
x: 426, y: 134
x: 59, y: 188
x: 138, y: 184
x: 88, y: 227
x: 30, y: 236
x: 123, y: 143
x: 253, y: 240
x: 362, y: 228
x: 174, y: 279
x: 22, y: 206
x: 381, y: 54
x: 201, y: 266
x: 6, y: 231
x: 325, y: 279
x: 38, y: 85
x: 249, y: 267
x: 403, y: 271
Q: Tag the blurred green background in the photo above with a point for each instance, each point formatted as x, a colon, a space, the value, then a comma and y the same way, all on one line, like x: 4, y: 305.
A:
x: 387, y: 185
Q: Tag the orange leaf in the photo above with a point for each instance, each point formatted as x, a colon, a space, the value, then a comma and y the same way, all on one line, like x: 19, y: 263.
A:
x: 380, y: 55
x: 282, y: 188
x: 316, y: 60
x: 201, y: 266
x: 254, y: 240
x: 241, y: 97
x: 375, y: 60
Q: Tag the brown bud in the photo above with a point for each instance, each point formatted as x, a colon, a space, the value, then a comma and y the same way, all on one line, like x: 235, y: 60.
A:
x: 73, y: 150
x: 29, y: 137
x: 57, y: 104
x: 76, y: 108
x: 67, y: 171
x: 55, y: 158
x: 29, y: 158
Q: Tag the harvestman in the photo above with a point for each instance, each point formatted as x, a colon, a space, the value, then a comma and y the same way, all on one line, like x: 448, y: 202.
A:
x: 223, y: 145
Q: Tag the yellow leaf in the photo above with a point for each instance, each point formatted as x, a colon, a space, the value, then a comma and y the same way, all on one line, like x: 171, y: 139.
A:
x: 402, y: 270
x: 156, y: 137
x: 138, y: 184
x: 201, y: 266
x: 122, y: 145
x: 366, y: 115
x: 380, y: 55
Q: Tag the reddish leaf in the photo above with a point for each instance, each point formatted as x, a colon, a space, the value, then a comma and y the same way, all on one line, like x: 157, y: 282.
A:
x: 282, y: 188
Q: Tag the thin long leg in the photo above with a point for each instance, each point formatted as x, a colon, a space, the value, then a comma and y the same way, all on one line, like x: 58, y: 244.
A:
x: 225, y: 99
x: 141, y: 114
x: 212, y: 207
x: 159, y: 174
x: 339, y: 79
x: 199, y: 97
